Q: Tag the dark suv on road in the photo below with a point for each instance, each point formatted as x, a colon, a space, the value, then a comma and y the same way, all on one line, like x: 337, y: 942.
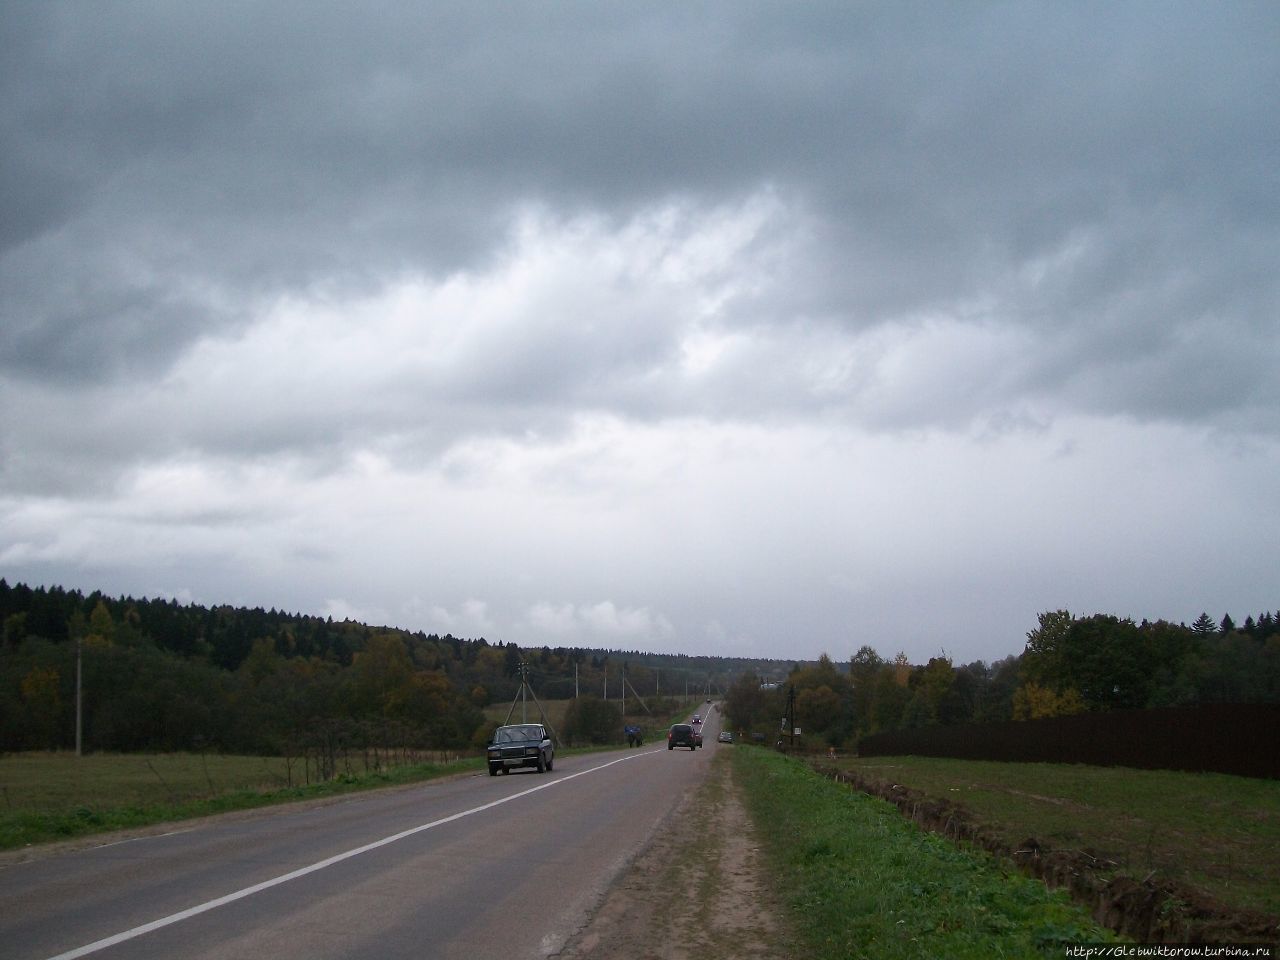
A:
x: 681, y: 735
x: 520, y: 745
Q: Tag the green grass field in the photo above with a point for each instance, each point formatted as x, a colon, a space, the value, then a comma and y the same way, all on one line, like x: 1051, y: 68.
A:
x: 60, y: 781
x: 496, y: 713
x: 1215, y: 832
x: 859, y: 880
x: 56, y: 796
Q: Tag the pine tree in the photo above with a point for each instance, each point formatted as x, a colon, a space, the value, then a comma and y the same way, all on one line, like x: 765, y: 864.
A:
x: 1266, y: 626
x: 1204, y: 626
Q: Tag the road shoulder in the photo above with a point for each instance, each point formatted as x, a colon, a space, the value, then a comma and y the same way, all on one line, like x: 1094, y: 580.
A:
x: 699, y: 889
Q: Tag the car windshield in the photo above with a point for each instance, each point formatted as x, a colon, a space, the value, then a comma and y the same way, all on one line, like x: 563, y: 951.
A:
x: 517, y: 734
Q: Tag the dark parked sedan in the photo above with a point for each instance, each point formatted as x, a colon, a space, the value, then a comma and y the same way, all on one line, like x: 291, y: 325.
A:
x: 520, y: 745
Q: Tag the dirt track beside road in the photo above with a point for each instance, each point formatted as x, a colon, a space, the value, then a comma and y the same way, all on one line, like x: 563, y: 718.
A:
x: 699, y: 891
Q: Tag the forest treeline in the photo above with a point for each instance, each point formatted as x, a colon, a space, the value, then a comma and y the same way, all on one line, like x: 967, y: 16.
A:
x: 1069, y: 665
x: 162, y: 675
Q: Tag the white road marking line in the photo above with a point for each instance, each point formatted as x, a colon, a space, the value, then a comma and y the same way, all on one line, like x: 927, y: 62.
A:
x: 303, y: 871
x: 150, y: 836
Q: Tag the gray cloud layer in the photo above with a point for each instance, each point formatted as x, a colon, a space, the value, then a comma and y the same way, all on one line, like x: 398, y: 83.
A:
x: 898, y: 218
x: 158, y: 155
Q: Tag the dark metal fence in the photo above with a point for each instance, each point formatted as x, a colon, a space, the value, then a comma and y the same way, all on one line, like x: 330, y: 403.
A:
x: 1236, y: 738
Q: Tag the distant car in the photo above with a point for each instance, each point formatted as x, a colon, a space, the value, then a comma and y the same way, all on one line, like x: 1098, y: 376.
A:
x: 697, y: 718
x: 708, y: 699
x: 726, y: 736
x: 681, y: 735
x: 520, y: 745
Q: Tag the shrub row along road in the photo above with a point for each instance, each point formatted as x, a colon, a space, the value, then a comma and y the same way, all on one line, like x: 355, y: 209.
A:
x: 471, y: 867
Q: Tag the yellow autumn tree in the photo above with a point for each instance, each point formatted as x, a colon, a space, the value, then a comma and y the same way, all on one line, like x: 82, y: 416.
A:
x: 1031, y: 701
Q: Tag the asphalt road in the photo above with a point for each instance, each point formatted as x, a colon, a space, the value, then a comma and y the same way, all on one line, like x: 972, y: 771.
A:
x: 472, y: 867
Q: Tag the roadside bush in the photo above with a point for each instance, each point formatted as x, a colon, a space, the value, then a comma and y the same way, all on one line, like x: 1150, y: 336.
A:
x: 590, y: 720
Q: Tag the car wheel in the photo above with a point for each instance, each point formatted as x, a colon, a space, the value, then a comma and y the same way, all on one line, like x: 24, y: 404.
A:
x: 505, y: 771
x: 550, y: 760
x: 542, y: 763
x: 493, y: 771
x: 670, y: 746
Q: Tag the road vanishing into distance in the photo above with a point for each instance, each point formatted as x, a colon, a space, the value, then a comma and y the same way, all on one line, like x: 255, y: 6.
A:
x: 471, y: 867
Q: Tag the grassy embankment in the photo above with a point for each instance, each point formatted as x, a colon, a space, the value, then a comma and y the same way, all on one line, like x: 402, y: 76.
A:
x: 858, y: 880
x: 57, y: 796
x: 1215, y: 832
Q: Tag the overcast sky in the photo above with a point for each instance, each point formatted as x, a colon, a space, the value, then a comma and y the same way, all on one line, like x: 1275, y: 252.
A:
x: 731, y: 328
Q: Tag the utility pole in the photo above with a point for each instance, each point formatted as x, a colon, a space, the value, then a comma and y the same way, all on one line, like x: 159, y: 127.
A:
x: 790, y: 719
x: 79, y: 694
x: 524, y: 685
x: 575, y: 679
x: 635, y: 693
x: 526, y: 691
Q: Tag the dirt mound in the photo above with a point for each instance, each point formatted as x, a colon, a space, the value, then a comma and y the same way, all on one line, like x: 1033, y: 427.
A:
x: 1148, y: 910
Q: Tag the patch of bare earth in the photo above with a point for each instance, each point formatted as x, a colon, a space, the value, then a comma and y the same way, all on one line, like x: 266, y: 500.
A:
x: 700, y: 889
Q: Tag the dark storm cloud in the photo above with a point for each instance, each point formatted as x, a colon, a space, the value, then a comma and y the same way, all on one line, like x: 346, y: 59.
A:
x: 1102, y: 176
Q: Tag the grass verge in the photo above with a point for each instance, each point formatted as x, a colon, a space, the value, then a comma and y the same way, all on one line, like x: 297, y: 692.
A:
x: 860, y: 881
x: 52, y: 797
